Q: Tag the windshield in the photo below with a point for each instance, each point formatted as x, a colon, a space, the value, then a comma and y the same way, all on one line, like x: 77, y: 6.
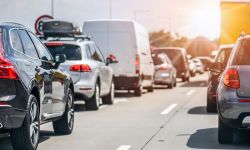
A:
x: 72, y: 52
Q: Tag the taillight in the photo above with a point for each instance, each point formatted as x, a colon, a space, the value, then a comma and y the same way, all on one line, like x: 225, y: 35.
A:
x: 137, y: 64
x: 54, y: 44
x: 7, y: 70
x: 80, y: 68
x: 231, y: 78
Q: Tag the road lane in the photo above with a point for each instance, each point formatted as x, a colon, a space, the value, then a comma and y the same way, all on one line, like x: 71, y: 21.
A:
x: 136, y: 123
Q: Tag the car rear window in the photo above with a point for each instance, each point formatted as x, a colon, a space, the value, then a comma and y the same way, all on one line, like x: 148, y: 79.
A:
x: 176, y: 58
x: 242, y: 56
x: 72, y: 52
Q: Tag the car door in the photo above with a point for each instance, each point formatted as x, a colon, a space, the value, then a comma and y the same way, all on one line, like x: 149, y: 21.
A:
x: 101, y: 66
x: 57, y: 76
x: 107, y: 71
x: 36, y: 69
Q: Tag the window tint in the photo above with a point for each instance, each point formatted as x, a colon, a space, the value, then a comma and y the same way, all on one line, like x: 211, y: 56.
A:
x: 242, y: 54
x: 15, y: 41
x: 29, y: 48
x: 95, y: 54
x: 72, y: 52
x: 44, y: 54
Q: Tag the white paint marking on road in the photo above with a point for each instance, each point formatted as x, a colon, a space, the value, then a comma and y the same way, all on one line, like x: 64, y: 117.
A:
x: 124, y: 147
x: 121, y: 100
x: 167, y: 110
x: 202, y: 84
x: 190, y: 92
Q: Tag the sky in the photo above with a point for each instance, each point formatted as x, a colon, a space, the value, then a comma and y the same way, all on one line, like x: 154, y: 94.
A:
x: 190, y: 18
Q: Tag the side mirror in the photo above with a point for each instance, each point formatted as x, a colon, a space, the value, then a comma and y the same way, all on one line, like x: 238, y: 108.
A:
x: 111, y: 59
x: 60, y: 58
x: 215, y: 67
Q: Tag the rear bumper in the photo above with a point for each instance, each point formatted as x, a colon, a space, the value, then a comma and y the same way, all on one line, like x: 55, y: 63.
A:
x: 84, y: 89
x: 11, y: 117
x: 126, y: 83
x: 231, y: 111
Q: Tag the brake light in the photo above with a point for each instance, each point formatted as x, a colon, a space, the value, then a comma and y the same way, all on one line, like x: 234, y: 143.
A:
x: 54, y: 44
x: 137, y: 64
x: 231, y: 79
x: 80, y: 68
x: 7, y: 70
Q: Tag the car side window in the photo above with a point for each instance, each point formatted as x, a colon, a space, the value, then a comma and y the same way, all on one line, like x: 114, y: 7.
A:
x: 29, y: 48
x: 15, y: 41
x: 95, y: 55
x: 88, y: 52
x: 44, y: 53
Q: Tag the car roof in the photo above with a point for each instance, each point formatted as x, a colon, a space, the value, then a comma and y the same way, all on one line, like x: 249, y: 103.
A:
x: 73, y: 41
x: 226, y: 46
x: 12, y: 25
x: 170, y: 48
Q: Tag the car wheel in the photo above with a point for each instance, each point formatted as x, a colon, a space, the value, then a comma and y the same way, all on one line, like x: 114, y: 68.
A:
x: 151, y: 88
x: 94, y: 102
x: 171, y: 85
x: 138, y: 91
x: 27, y: 136
x: 109, y: 99
x: 66, y: 124
x: 184, y: 79
x: 225, y: 133
x: 211, y: 107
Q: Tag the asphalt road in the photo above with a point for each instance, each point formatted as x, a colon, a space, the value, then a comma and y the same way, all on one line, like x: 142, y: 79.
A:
x: 164, y: 120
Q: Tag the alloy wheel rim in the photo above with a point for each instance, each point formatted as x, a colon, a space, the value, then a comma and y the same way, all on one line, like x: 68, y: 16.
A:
x: 112, y: 91
x: 71, y: 111
x: 97, y: 95
x: 34, y: 125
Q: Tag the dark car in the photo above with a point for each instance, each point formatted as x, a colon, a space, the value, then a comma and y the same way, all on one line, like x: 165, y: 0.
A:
x: 206, y: 61
x: 213, y: 79
x: 33, y: 90
x: 165, y: 72
x: 178, y: 57
x: 233, y: 93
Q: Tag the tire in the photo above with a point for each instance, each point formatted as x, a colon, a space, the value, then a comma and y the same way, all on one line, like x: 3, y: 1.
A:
x: 184, y: 79
x: 109, y: 99
x: 171, y: 85
x: 211, y: 107
x: 94, y: 102
x: 21, y: 138
x: 138, y: 91
x: 65, y: 125
x: 225, y: 133
x: 151, y: 88
x: 175, y: 83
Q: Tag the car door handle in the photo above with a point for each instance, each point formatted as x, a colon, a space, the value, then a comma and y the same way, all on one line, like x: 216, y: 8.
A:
x: 37, y: 69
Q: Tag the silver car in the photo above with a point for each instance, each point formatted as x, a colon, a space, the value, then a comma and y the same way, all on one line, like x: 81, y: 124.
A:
x: 90, y: 71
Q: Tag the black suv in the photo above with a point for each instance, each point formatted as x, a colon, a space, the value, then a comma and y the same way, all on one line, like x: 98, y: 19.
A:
x: 33, y: 89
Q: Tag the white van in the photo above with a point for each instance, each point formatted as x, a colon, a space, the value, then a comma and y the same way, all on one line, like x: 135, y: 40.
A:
x: 129, y: 43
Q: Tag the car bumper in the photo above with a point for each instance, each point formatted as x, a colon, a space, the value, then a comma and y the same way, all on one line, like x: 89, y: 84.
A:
x: 84, y: 89
x: 126, y: 83
x: 11, y: 117
x: 231, y: 111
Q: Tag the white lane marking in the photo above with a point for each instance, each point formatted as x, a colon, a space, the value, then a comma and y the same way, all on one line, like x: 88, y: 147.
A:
x: 168, y: 109
x: 124, y: 147
x: 202, y: 84
x: 120, y: 100
x: 190, y: 92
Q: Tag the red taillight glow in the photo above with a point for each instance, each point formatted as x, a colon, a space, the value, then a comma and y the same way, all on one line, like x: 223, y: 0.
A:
x: 231, y: 79
x: 54, y: 44
x: 80, y: 68
x: 7, y: 70
x: 244, y: 100
x: 137, y: 64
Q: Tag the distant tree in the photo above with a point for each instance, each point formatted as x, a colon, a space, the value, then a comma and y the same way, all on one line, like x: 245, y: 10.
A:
x: 163, y: 38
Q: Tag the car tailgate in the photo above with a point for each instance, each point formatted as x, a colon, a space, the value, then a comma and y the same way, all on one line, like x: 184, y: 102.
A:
x: 76, y: 76
x: 244, y: 75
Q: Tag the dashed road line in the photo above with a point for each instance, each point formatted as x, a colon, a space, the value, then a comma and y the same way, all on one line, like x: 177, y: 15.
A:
x: 168, y: 109
x: 124, y: 147
x: 190, y: 92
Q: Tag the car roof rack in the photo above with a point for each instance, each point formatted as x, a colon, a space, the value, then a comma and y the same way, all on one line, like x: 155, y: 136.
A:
x: 60, y: 29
